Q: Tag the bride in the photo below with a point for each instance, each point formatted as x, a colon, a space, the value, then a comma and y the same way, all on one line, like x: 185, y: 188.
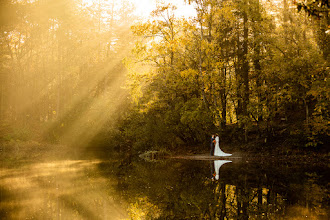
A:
x: 217, y: 150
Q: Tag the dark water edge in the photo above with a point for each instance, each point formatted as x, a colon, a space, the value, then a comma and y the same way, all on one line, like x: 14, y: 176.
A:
x: 96, y: 183
x: 187, y: 189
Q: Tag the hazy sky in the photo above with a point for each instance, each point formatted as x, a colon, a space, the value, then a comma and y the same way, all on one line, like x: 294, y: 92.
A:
x: 144, y: 7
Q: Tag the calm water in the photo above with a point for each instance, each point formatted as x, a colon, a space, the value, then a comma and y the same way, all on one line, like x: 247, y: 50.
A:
x: 132, y: 188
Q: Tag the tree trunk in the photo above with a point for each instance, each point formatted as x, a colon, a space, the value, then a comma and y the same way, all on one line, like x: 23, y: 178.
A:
x: 245, y: 64
x: 238, y: 72
x: 238, y: 198
x: 260, y: 201
x: 59, y: 80
x: 2, y: 100
x: 200, y: 64
x: 223, y: 202
x: 223, y: 99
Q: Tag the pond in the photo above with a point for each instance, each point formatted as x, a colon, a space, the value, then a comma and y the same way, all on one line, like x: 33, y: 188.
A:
x: 133, y: 188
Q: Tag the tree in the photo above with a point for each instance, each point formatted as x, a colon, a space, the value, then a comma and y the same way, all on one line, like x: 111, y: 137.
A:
x: 316, y: 8
x: 56, y: 61
x: 235, y: 63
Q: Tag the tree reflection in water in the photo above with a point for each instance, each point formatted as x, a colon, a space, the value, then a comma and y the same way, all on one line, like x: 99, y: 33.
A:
x: 168, y: 189
x: 186, y: 190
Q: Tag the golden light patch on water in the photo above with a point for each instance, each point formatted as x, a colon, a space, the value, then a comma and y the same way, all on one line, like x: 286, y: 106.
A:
x: 59, y: 190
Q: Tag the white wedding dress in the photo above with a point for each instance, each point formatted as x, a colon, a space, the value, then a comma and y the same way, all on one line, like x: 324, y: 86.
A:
x: 217, y: 165
x: 218, y: 151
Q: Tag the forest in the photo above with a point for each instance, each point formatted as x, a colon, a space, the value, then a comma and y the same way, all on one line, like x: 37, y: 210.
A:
x: 93, y: 73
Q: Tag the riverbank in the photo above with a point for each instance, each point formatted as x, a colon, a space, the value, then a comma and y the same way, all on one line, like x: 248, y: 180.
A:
x: 277, y: 151
x: 12, y: 151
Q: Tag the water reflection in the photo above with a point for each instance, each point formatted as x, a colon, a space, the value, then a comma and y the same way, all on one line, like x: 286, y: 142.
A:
x: 131, y: 188
x: 184, y: 190
x: 58, y: 190
x: 216, y: 167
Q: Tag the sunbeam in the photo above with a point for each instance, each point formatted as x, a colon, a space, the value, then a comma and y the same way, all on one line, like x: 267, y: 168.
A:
x: 67, y: 68
x: 66, y: 65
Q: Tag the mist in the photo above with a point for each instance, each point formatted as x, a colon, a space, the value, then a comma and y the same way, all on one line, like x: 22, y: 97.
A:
x: 62, y: 71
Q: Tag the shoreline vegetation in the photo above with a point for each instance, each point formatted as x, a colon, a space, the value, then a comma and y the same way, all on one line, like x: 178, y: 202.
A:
x: 16, y: 152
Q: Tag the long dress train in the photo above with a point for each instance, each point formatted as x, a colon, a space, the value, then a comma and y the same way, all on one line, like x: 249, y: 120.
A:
x: 218, y: 151
x: 217, y: 165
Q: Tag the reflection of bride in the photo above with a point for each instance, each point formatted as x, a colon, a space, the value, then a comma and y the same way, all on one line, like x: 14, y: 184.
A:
x: 217, y: 150
x: 217, y: 165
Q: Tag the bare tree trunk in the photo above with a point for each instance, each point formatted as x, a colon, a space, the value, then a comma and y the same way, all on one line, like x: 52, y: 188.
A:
x: 260, y: 201
x: 245, y: 65
x: 238, y: 69
x: 223, y: 99
x: 223, y: 201
x: 200, y: 66
x: 306, y: 110
x: 2, y: 101
x: 238, y: 198
x: 59, y: 81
